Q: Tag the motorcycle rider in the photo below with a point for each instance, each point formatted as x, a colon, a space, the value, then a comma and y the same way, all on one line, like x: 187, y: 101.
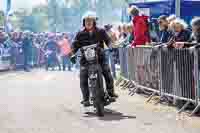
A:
x: 91, y: 34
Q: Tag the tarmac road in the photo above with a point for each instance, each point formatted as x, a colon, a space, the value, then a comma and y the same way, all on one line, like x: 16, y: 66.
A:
x: 49, y: 102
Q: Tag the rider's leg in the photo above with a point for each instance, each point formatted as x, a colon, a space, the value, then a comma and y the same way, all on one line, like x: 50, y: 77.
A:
x: 109, y: 80
x: 84, y: 85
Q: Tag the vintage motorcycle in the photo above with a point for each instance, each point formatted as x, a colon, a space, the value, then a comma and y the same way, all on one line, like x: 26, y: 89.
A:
x: 99, y: 96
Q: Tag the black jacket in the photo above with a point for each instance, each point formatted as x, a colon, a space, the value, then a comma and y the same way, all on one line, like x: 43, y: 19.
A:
x: 183, y: 36
x: 85, y: 38
x: 165, y: 36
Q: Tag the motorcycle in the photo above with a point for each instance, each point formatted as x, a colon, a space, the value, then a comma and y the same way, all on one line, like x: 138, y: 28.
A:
x: 99, y: 97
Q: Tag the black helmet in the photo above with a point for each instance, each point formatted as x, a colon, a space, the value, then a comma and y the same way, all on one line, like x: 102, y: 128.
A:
x: 90, y: 14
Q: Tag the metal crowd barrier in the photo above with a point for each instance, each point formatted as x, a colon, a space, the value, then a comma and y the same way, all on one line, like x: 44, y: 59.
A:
x: 197, y: 79
x: 178, y: 74
x: 170, y: 73
x: 144, y: 67
x: 123, y: 54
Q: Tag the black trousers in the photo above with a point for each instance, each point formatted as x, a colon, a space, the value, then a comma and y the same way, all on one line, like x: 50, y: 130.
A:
x: 84, y: 80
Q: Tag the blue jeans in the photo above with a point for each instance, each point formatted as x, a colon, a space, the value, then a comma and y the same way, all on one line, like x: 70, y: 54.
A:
x: 110, y: 59
x: 66, y: 60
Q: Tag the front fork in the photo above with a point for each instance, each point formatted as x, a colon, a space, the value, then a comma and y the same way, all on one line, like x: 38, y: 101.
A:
x: 95, y: 83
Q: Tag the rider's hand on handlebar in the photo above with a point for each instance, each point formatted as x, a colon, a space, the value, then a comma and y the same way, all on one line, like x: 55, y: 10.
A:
x: 73, y: 59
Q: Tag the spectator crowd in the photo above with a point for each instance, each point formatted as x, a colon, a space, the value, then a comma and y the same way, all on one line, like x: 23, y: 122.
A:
x: 174, y: 36
x: 51, y: 49
x: 144, y: 30
x: 168, y: 31
x: 25, y: 50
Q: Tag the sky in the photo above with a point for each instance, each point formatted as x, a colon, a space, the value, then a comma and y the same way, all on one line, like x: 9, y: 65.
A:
x: 16, y: 4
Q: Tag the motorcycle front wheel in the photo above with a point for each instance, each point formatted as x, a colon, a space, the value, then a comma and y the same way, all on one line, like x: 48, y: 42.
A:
x: 99, y: 100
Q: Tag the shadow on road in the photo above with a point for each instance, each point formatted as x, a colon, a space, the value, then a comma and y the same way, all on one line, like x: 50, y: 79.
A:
x: 111, y: 115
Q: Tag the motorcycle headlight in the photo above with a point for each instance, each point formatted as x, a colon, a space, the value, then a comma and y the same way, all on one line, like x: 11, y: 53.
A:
x: 90, y: 53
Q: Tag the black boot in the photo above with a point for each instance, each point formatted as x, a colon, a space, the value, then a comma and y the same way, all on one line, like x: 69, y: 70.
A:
x: 86, y: 103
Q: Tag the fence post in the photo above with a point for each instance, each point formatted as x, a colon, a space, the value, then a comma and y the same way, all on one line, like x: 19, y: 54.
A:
x: 196, y: 75
x: 196, y: 80
x: 178, y: 8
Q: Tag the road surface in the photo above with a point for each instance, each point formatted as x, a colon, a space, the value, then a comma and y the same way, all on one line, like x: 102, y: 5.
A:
x: 49, y: 102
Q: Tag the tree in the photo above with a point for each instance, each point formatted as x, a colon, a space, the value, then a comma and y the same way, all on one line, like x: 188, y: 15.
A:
x: 36, y: 20
x: 120, y: 3
x: 53, y: 17
x: 16, y: 18
x: 1, y: 18
x: 109, y: 11
x: 40, y: 18
x: 66, y: 16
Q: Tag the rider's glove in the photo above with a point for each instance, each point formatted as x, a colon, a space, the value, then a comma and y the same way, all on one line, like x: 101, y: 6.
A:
x: 73, y: 59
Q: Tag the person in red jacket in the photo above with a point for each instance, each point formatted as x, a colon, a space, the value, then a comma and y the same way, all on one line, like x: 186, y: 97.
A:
x: 140, y: 27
